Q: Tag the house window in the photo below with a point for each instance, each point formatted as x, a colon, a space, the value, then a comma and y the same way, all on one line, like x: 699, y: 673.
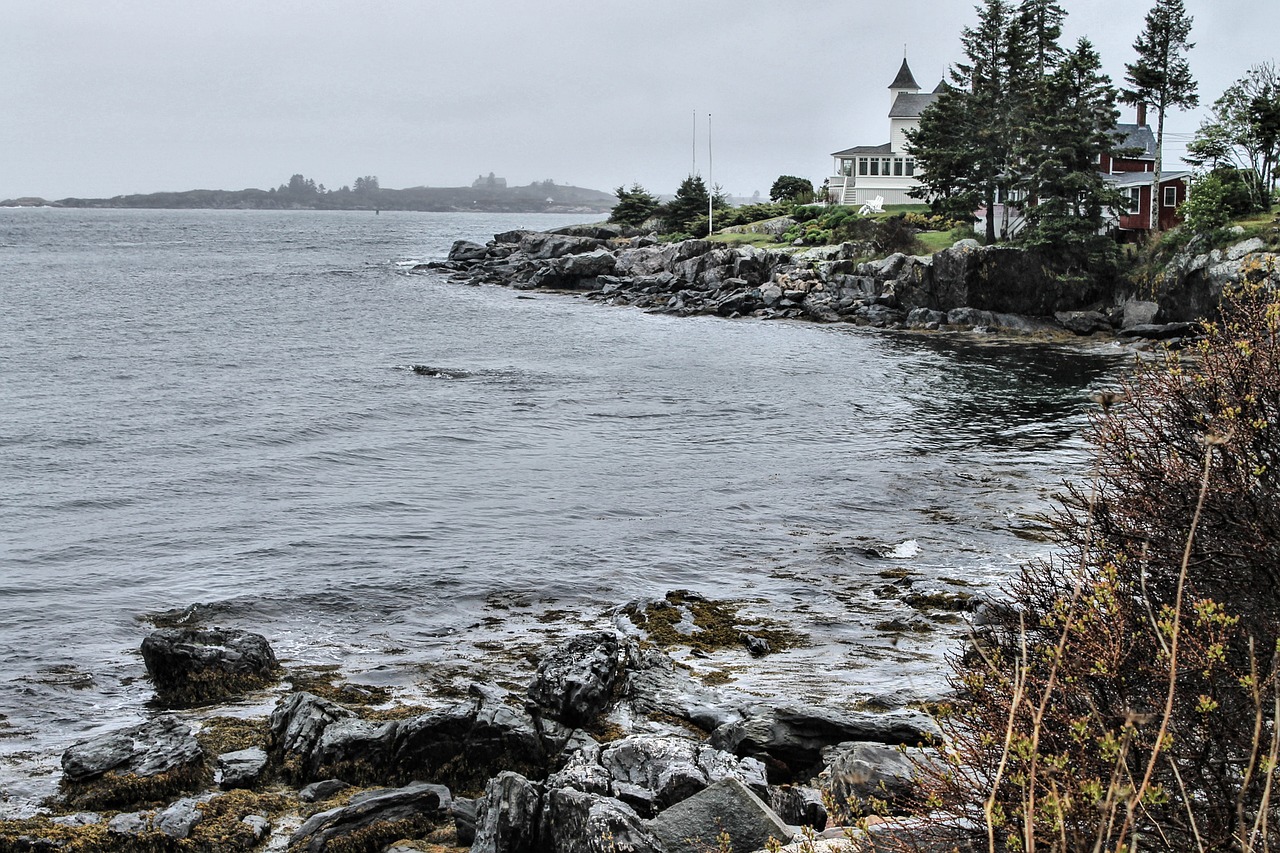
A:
x: 897, y: 167
x: 884, y: 166
x: 911, y: 167
x: 1135, y: 200
x: 875, y: 166
x: 862, y: 165
x: 1170, y: 196
x: 846, y: 168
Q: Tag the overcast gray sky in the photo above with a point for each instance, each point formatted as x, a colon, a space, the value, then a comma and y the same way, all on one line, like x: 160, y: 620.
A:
x: 104, y: 97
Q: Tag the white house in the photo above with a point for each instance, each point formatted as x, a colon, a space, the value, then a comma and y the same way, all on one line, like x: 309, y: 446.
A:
x: 866, y: 172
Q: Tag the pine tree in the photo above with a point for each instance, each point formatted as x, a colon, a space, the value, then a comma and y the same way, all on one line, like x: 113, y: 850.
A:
x: 1076, y: 125
x: 1039, y: 29
x: 691, y: 202
x: 1161, y: 76
x: 635, y: 206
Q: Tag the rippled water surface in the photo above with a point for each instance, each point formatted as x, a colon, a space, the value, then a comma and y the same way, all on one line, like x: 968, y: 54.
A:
x: 217, y: 408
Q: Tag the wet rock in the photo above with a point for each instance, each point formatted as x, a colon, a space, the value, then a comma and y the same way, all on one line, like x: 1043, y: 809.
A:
x: 792, y: 739
x: 379, y: 817
x: 191, y: 666
x: 655, y: 688
x: 77, y: 819
x: 970, y: 317
x: 1083, y: 322
x: 1138, y: 312
x: 1160, y: 332
x: 300, y: 719
x: 541, y: 246
x: 507, y: 817
x: 178, y: 819
x: 585, y: 265
x: 694, y: 825
x: 465, y: 250
x: 322, y: 790
x: 919, y: 318
x: 140, y: 763
x: 130, y: 823
x: 464, y: 813
x: 655, y: 772
x: 258, y: 825
x: 578, y: 822
x: 242, y: 768
x: 577, y: 681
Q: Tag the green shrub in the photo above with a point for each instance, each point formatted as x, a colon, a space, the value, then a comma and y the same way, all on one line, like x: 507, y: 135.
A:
x: 1127, y: 690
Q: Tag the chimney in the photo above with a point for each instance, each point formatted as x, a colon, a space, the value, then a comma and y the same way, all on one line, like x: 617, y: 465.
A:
x: 1142, y: 113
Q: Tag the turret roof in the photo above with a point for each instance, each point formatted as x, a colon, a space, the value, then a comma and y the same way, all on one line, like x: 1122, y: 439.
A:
x: 904, y: 80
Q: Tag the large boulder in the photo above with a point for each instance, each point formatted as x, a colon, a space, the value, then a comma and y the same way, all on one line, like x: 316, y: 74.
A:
x: 377, y: 818
x: 191, y: 666
x: 696, y: 825
x: 133, y: 765
x: 860, y: 772
x: 508, y: 815
x: 791, y: 739
x: 242, y: 768
x: 577, y: 822
x: 652, y: 772
x: 543, y: 246
x: 576, y: 682
x: 655, y: 688
x: 465, y: 250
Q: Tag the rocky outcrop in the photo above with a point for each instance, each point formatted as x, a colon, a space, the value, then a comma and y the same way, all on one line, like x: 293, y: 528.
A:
x: 1014, y: 289
x: 191, y: 666
x: 727, y: 810
x: 378, y: 817
x: 577, y: 681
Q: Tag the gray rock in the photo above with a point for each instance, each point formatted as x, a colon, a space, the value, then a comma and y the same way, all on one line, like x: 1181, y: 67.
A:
x: 196, y: 665
x: 541, y: 246
x: 693, y: 826
x: 920, y: 317
x: 576, y: 682
x: 1160, y: 332
x: 970, y: 316
x: 258, y: 824
x: 178, y: 819
x: 798, y: 805
x: 413, y: 808
x: 795, y: 737
x: 671, y: 768
x: 130, y: 823
x: 506, y: 819
x: 322, y: 790
x: 242, y: 768
x: 511, y: 237
x: 770, y: 294
x: 656, y: 688
x: 586, y: 264
x: 300, y: 719
x: 1138, y: 312
x: 465, y: 250
x: 1083, y: 322
x: 1246, y: 247
x: 859, y: 772
x: 578, y: 822
x: 158, y: 746
x: 77, y: 819
x: 464, y: 813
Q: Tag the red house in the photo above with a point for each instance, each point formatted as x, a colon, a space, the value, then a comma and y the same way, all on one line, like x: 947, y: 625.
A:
x: 1131, y: 169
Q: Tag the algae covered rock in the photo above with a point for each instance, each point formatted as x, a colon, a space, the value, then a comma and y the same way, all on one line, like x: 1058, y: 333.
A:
x: 137, y: 764
x: 193, y: 666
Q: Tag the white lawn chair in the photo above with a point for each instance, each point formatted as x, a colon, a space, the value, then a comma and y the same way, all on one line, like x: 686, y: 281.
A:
x: 876, y: 205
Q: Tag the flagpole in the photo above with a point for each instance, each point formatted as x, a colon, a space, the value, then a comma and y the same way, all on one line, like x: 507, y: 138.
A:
x: 711, y: 193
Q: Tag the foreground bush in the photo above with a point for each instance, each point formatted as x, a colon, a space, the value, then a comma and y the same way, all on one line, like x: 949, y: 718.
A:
x: 1126, y: 697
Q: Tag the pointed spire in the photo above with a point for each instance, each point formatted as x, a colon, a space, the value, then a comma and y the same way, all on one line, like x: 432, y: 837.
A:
x: 941, y: 87
x: 904, y: 80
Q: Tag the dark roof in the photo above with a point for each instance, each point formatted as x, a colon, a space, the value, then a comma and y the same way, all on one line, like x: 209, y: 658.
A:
x: 904, y: 80
x: 1137, y: 136
x: 865, y: 150
x: 907, y: 105
x: 941, y: 87
x: 1142, y: 179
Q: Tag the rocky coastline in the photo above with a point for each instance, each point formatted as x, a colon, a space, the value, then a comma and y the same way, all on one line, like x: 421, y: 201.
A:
x: 965, y: 287
x: 611, y: 746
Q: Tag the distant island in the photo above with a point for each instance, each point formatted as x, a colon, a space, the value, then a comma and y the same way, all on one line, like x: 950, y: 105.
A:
x: 488, y: 194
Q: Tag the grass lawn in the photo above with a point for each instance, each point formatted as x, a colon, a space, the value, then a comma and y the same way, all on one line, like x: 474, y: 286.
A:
x: 935, y: 241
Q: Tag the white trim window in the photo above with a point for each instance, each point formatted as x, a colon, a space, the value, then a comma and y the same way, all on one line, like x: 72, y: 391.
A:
x: 1135, y: 200
x: 1171, y: 196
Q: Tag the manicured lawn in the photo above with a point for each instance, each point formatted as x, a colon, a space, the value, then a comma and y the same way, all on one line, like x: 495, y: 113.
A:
x: 935, y: 241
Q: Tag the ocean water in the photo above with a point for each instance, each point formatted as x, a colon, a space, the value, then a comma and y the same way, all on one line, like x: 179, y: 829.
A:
x: 214, y: 412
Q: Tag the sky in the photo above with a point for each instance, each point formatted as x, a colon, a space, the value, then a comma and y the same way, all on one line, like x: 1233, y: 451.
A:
x: 107, y: 97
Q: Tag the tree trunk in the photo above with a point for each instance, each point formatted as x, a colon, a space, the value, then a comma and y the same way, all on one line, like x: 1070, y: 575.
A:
x: 991, y: 213
x: 1155, y: 189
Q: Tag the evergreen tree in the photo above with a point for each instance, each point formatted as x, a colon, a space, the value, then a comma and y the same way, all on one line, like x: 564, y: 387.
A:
x: 635, y: 206
x: 792, y: 189
x: 966, y: 140
x: 1039, y: 29
x: 691, y: 202
x: 1075, y: 127
x: 1161, y: 76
